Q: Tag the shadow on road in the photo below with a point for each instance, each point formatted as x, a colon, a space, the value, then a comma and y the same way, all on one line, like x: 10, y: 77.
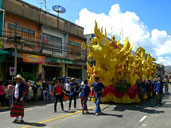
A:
x: 148, y: 106
x: 104, y: 114
x: 32, y: 124
x: 70, y: 111
x: 107, y: 114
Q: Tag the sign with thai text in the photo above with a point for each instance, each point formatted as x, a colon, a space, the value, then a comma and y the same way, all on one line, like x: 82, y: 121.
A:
x: 62, y: 61
x: 33, y: 58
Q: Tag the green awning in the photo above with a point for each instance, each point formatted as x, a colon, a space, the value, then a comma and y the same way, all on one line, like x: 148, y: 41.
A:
x: 2, y: 58
x: 3, y: 52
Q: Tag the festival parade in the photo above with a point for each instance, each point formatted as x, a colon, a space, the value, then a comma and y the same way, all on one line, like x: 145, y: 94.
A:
x: 88, y: 64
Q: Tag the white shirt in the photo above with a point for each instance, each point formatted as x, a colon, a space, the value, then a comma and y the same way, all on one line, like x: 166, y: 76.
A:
x: 16, y: 93
x: 67, y: 87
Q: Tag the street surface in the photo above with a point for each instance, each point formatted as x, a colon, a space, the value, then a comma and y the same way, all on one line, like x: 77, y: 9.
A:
x: 142, y: 115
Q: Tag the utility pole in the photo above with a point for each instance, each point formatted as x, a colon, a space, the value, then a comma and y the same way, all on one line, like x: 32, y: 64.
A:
x: 15, y: 48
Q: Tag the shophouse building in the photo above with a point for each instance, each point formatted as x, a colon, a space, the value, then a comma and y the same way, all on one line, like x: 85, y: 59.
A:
x: 47, y: 46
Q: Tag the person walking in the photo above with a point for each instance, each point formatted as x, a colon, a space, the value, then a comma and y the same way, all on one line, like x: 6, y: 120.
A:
x: 67, y: 87
x: 98, y: 88
x: 34, y: 88
x: 2, y: 94
x: 73, y: 86
x: 148, y: 87
x: 141, y: 89
x: 159, y: 91
x: 58, y: 90
x: 166, y: 84
x: 17, y: 107
x: 50, y: 91
x: 10, y: 91
x: 26, y: 91
x: 84, y: 93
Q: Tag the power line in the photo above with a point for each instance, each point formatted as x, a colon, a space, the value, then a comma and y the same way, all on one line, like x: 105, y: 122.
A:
x: 41, y: 45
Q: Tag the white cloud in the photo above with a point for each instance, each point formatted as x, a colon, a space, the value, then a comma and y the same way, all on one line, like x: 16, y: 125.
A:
x: 129, y: 24
x: 164, y: 60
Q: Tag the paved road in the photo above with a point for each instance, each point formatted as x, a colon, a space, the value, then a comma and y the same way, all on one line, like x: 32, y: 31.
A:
x: 143, y: 115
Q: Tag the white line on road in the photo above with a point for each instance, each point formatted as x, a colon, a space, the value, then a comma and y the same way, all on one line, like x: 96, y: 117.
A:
x: 28, y: 110
x: 4, y: 112
x: 143, y: 118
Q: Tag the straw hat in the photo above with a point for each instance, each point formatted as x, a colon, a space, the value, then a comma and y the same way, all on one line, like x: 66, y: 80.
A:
x: 19, y: 77
x: 72, y: 78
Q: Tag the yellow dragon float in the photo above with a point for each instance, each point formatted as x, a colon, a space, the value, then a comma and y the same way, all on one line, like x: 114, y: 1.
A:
x: 117, y: 66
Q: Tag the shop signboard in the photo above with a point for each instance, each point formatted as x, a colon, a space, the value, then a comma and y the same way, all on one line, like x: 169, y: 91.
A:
x: 3, y: 52
x: 33, y: 58
x: 66, y: 61
x: 1, y: 43
x: 47, y: 51
x: 12, y: 71
x: 1, y: 19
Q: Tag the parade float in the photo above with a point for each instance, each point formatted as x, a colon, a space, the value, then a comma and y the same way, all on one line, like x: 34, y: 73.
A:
x: 117, y: 67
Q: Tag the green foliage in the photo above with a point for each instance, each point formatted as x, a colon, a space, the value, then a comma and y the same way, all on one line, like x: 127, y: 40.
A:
x: 122, y: 86
x: 28, y: 76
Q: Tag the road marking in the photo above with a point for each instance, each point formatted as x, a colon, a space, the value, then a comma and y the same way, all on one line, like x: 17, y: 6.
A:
x: 143, y: 118
x: 144, y: 125
x: 58, y: 117
x: 4, y: 112
x: 28, y: 110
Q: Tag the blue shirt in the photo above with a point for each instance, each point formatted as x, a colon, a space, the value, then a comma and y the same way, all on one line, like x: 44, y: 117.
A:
x: 97, y: 87
x: 84, y: 90
x: 73, y: 90
x: 159, y: 87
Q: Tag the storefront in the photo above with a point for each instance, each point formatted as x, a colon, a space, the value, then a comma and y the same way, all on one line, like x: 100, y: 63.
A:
x: 74, y: 71
x: 52, y: 72
x: 56, y: 67
x: 3, y: 56
x: 29, y: 65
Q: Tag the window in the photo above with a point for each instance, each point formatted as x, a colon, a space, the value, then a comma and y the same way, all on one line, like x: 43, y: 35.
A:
x: 74, y: 48
x: 25, y: 33
x: 52, y: 43
x: 11, y: 26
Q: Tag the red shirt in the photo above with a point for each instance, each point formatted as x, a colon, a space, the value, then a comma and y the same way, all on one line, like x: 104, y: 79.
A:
x: 58, y: 90
x: 2, y: 90
x: 27, y: 87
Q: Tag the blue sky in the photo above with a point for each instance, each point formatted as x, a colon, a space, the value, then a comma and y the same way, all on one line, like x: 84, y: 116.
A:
x: 154, y: 13
x: 145, y: 22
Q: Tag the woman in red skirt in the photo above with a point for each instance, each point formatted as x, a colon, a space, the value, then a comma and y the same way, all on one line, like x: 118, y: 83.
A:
x: 17, y: 107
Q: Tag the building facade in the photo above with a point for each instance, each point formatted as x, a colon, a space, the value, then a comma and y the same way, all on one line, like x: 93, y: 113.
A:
x: 47, y: 46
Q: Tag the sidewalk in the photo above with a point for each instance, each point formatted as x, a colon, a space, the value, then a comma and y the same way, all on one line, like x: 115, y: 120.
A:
x: 32, y: 104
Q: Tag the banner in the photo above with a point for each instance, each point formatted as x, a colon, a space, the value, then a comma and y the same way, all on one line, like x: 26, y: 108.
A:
x: 33, y: 58
x: 1, y: 42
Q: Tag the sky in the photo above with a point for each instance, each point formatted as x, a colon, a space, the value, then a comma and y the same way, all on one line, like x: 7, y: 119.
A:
x: 145, y: 22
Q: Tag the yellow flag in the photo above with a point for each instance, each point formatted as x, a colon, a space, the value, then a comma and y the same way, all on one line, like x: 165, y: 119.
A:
x: 83, y: 46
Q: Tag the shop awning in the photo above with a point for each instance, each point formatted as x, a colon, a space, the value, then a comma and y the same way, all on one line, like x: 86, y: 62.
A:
x: 3, y: 52
x: 2, y: 58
